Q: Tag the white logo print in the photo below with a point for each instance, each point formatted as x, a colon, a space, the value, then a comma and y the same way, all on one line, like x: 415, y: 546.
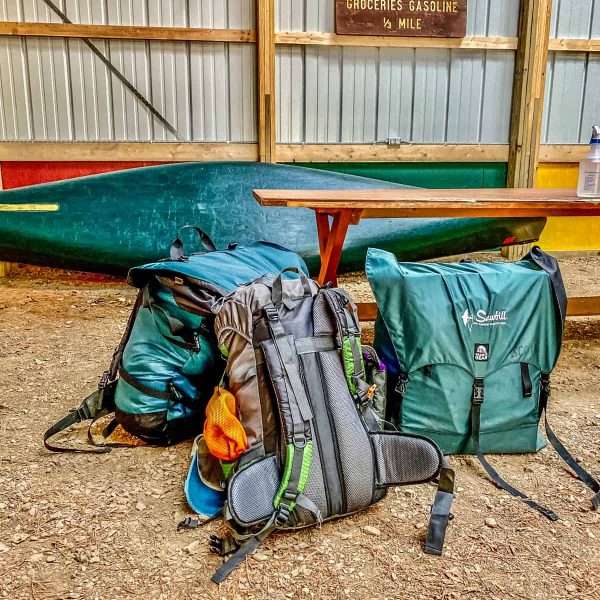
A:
x: 467, y: 319
x: 482, y: 319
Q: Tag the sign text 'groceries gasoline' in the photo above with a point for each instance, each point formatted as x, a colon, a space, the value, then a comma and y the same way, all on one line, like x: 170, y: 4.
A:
x: 431, y: 18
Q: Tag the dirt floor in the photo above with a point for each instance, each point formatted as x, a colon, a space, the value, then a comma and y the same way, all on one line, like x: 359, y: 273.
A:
x: 81, y: 526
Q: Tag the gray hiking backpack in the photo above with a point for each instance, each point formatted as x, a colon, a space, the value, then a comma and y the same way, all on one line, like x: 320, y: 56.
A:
x: 308, y: 395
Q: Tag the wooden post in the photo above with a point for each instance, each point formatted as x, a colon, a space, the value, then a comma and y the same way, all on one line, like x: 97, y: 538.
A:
x: 265, y: 53
x: 528, y: 92
x: 4, y: 266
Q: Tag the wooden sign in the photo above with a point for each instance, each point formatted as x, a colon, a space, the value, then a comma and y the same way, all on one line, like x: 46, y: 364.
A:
x: 423, y: 18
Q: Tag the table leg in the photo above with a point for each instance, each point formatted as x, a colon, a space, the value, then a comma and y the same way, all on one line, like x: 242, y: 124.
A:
x: 331, y: 242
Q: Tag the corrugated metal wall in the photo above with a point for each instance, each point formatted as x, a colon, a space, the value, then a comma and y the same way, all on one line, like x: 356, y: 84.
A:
x: 56, y: 89
x: 363, y: 95
x: 572, y: 103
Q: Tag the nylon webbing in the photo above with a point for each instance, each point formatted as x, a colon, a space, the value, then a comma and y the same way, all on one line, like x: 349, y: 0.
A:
x: 237, y: 559
x: 91, y: 408
x: 581, y: 473
x: 141, y: 387
x: 440, y: 511
x: 526, y: 381
x: 477, y: 401
x: 295, y: 387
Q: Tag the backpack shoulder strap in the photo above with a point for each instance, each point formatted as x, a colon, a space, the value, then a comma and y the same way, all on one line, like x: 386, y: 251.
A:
x: 581, y: 473
x: 100, y: 402
x: 476, y: 403
x: 296, y: 420
x: 440, y: 511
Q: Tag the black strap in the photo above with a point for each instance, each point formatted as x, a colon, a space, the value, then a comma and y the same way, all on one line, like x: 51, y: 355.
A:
x: 581, y: 473
x: 97, y: 404
x: 279, y: 296
x: 477, y: 401
x: 142, y: 387
x: 246, y: 548
x: 100, y: 402
x: 440, y: 511
x: 526, y: 381
x: 550, y: 265
x: 177, y: 251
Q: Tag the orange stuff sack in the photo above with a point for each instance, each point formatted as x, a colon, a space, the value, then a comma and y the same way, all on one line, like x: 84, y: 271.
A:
x: 223, y: 433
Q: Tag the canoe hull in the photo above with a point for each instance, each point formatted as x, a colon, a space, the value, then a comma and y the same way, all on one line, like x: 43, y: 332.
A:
x: 111, y: 222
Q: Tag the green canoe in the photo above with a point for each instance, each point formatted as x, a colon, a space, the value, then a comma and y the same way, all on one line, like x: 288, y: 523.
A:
x: 111, y: 222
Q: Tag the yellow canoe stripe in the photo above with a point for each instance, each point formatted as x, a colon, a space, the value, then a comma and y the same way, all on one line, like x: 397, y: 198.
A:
x: 29, y: 207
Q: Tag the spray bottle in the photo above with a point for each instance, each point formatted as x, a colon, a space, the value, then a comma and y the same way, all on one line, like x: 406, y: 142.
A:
x: 589, y: 169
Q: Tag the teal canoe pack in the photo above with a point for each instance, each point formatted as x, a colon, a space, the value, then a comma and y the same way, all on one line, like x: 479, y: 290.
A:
x: 307, y: 394
x: 167, y: 364
x: 469, y: 349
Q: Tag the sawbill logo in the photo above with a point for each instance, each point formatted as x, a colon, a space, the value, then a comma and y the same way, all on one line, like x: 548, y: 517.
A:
x: 482, y: 319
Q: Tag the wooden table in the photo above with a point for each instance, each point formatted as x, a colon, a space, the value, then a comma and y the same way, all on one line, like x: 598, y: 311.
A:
x: 348, y: 207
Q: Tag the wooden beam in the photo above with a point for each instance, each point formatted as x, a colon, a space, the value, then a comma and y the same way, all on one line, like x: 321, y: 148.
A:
x: 587, y: 306
x: 166, y: 151
x: 385, y: 153
x: 528, y: 92
x: 306, y: 38
x: 265, y: 31
x: 563, y: 153
x: 115, y: 151
x: 126, y: 32
x: 583, y: 306
x: 574, y: 45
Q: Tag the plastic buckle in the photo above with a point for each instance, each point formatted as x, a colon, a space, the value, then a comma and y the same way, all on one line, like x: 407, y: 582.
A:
x: 402, y: 384
x: 299, y: 440
x: 282, y: 516
x: 478, y: 392
x: 290, y: 496
x: 176, y: 393
x: 197, y: 346
x: 104, y: 380
x: 81, y: 412
x: 222, y: 546
x: 188, y: 523
x: 271, y: 313
x: 545, y: 386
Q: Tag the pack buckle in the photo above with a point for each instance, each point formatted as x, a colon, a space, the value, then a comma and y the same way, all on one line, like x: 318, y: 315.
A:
x: 478, y: 392
x: 271, y: 313
x: 282, y: 515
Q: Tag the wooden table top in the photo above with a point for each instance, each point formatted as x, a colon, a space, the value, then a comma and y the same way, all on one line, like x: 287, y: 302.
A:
x: 500, y: 202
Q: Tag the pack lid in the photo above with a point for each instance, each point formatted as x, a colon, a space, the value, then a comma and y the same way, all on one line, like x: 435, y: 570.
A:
x: 225, y: 270
x: 478, y: 316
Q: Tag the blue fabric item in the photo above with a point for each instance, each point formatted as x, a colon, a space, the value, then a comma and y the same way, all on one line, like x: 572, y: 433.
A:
x: 225, y: 269
x: 201, y: 498
x: 171, y: 361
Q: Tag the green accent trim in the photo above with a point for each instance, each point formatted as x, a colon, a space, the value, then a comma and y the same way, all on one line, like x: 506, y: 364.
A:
x: 306, y: 467
x: 289, y: 461
x: 348, y: 358
x: 427, y: 175
x: 307, y: 456
x: 224, y: 351
x: 227, y: 467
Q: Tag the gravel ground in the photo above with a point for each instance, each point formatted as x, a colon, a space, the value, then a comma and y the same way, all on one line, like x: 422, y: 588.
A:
x: 104, y: 527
